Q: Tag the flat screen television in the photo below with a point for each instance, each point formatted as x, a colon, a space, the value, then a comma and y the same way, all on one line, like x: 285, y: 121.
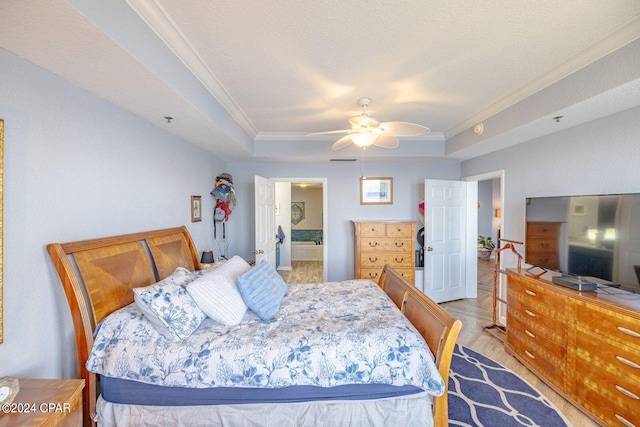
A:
x: 591, y: 235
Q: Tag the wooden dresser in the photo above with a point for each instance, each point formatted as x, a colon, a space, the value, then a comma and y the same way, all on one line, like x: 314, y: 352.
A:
x: 542, y: 244
x: 586, y: 345
x: 385, y: 242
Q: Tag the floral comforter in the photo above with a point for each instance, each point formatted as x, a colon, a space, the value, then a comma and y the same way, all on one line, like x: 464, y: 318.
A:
x: 325, y: 334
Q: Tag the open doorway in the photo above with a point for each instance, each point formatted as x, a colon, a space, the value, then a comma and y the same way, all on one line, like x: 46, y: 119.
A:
x: 301, y: 205
x: 490, y: 224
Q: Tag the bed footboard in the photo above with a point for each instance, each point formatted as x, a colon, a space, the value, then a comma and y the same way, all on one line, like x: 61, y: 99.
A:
x: 438, y: 328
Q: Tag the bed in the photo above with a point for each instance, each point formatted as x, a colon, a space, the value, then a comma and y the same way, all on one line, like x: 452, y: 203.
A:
x: 99, y: 277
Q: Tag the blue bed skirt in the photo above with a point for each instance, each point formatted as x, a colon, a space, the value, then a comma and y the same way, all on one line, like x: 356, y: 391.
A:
x: 135, y: 393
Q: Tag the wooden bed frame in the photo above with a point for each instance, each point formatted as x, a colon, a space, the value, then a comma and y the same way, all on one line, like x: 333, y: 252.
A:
x: 98, y: 276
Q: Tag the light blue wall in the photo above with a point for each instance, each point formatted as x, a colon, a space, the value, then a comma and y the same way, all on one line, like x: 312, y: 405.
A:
x: 598, y: 157
x: 344, y: 200
x: 77, y: 167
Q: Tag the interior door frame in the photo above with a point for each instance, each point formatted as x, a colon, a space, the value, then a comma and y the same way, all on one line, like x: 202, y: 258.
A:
x: 502, y: 283
x: 325, y: 222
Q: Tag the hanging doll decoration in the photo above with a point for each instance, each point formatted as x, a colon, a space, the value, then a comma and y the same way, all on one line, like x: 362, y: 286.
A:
x: 225, y: 197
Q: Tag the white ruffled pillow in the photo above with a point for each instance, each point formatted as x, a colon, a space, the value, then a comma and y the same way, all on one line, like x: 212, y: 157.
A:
x: 216, y: 292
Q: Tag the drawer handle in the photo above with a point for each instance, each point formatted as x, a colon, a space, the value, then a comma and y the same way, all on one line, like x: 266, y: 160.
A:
x: 399, y: 260
x: 373, y: 276
x: 528, y: 292
x: 626, y: 392
x: 629, y: 332
x: 531, y: 334
x: 530, y: 313
x: 373, y: 244
x: 373, y: 259
x: 624, y: 421
x: 399, y: 244
x: 531, y: 356
x: 628, y: 362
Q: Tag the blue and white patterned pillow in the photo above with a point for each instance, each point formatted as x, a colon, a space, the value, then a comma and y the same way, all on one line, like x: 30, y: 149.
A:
x: 262, y: 289
x: 169, y: 307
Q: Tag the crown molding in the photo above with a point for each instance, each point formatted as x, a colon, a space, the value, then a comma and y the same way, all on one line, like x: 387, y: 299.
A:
x: 618, y: 38
x: 300, y: 136
x: 158, y: 20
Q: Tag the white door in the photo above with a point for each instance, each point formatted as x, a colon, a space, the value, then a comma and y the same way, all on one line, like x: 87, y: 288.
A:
x: 446, y: 241
x: 265, y: 220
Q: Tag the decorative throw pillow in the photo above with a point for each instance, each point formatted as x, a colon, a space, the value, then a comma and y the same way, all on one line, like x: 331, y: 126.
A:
x: 169, y: 307
x: 262, y: 289
x: 216, y: 292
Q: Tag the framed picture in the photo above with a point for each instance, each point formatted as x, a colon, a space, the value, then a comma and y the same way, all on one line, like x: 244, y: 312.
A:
x: 376, y: 191
x: 297, y: 212
x: 579, y: 210
x: 196, y: 208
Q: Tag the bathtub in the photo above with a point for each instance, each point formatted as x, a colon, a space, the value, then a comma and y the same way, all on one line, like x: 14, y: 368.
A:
x: 306, y: 251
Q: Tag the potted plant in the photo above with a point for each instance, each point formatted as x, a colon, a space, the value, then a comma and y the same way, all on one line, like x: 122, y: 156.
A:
x: 485, y: 247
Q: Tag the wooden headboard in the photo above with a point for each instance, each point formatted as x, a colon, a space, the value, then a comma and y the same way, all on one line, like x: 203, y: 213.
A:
x: 98, y: 276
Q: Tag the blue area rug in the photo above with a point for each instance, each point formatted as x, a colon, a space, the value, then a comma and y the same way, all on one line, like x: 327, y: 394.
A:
x: 485, y: 393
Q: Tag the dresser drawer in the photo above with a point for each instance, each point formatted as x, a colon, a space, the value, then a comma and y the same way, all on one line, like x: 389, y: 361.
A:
x: 400, y: 230
x: 530, y: 331
x: 378, y: 259
x: 529, y: 292
x: 387, y: 244
x: 542, y: 229
x: 373, y: 229
x: 614, y: 325
x: 545, y: 364
x: 542, y: 245
x: 374, y: 274
x: 538, y: 316
x: 612, y: 358
x: 550, y: 260
x: 611, y: 406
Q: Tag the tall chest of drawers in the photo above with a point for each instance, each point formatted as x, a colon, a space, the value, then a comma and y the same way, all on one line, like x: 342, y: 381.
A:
x: 542, y: 244
x: 378, y: 243
x: 586, y: 345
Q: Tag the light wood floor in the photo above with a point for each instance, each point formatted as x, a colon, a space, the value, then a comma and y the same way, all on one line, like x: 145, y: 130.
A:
x: 303, y: 272
x: 475, y: 315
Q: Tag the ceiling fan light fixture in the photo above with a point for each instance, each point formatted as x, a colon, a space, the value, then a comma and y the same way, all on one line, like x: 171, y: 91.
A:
x: 363, y: 139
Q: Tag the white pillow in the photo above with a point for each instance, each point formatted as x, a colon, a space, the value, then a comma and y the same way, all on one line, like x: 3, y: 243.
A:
x: 168, y: 306
x: 216, y: 292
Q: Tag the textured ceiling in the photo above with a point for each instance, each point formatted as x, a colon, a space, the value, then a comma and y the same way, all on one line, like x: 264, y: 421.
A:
x: 244, y: 78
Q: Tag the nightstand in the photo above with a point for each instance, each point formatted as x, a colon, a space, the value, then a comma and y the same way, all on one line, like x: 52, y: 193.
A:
x: 45, y: 403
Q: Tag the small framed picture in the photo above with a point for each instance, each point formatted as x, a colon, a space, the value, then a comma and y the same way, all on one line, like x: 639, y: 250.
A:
x: 196, y: 208
x: 376, y: 191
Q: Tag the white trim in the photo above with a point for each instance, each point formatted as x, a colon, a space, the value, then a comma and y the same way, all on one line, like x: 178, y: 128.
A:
x: 159, y: 21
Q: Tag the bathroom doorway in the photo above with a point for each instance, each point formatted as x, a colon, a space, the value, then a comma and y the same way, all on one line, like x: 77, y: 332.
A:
x: 301, y: 205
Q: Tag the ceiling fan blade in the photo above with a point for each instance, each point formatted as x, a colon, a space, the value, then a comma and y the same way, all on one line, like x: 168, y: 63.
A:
x: 342, y: 142
x: 403, y: 129
x: 331, y: 132
x: 386, y: 141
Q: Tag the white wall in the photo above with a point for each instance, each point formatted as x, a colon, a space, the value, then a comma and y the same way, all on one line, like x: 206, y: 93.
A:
x: 343, y: 204
x: 77, y: 167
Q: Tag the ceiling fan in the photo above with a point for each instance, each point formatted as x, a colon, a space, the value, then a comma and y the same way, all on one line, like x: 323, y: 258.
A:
x: 366, y: 131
